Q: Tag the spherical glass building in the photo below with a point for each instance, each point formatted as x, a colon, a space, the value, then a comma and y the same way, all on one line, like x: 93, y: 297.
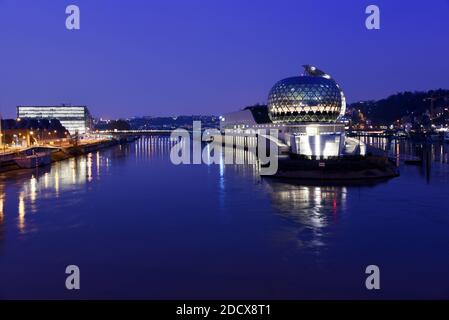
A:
x: 313, y: 97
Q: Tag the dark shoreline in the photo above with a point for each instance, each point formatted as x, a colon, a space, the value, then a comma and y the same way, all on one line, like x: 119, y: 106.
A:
x: 340, y: 169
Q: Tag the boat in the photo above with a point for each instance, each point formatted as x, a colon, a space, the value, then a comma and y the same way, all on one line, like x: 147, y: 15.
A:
x: 37, y: 159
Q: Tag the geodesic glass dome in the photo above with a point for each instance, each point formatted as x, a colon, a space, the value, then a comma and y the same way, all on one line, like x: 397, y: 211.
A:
x: 310, y: 98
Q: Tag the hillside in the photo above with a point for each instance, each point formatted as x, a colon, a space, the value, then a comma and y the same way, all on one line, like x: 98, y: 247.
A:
x: 403, y: 104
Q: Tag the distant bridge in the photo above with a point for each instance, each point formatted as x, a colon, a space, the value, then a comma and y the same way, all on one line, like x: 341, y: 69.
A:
x: 135, y: 132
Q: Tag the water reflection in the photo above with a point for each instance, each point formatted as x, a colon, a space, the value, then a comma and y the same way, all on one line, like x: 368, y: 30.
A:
x: 401, y: 150
x: 153, y: 146
x: 404, y: 148
x: 21, y: 210
x: 128, y: 199
x: 2, y: 214
x: 25, y: 188
x: 312, y: 208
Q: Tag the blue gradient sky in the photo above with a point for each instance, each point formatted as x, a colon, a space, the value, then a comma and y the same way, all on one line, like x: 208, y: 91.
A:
x: 170, y: 57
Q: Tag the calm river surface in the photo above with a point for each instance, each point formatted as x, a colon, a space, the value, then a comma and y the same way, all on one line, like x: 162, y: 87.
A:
x: 139, y: 227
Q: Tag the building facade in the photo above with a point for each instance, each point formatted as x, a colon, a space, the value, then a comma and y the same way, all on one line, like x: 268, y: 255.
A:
x: 76, y: 119
x: 306, y: 111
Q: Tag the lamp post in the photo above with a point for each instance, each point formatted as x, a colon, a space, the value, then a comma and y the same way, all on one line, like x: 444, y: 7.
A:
x: 29, y: 137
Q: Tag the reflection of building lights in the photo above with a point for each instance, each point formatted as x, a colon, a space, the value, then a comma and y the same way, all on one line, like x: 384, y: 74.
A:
x: 89, y: 167
x: 2, y: 201
x: 33, y: 188
x: 46, y: 180
x: 98, y: 163
x: 56, y: 180
x: 21, y: 212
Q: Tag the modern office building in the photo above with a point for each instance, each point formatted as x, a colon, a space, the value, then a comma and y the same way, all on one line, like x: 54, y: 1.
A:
x: 305, y: 110
x: 73, y: 118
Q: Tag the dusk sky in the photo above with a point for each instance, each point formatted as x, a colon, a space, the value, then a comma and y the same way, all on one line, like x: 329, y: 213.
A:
x: 145, y: 57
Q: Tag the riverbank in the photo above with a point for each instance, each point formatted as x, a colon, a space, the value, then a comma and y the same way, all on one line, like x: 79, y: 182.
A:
x: 13, y: 161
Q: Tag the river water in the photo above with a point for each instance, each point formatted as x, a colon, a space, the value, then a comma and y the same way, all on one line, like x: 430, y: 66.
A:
x: 139, y: 227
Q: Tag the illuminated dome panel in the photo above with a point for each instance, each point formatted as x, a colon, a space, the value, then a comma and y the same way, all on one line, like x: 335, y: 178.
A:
x: 310, y: 98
